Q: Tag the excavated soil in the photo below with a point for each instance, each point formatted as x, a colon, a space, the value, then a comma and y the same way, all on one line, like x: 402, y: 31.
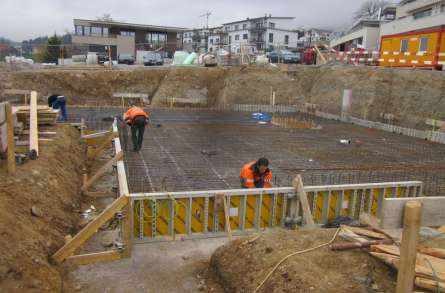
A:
x: 241, y: 266
x: 50, y: 187
x: 411, y: 96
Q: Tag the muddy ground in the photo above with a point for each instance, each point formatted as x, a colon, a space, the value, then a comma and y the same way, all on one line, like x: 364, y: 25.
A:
x: 39, y: 206
x: 241, y: 266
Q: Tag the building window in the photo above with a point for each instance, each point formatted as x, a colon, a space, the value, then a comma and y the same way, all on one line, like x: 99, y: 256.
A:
x: 286, y: 40
x: 211, y: 41
x: 244, y: 26
x: 86, y: 31
x: 236, y: 27
x: 245, y: 37
x: 423, y: 44
x: 230, y: 39
x: 162, y: 37
x: 271, y: 25
x: 127, y: 33
x: 404, y: 46
x: 442, y: 8
x: 79, y: 30
x: 217, y: 40
x: 423, y: 13
x: 96, y: 31
x: 270, y: 38
x: 105, y: 31
x: 236, y: 37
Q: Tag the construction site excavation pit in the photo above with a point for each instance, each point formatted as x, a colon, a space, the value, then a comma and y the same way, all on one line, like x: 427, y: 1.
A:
x: 201, y: 149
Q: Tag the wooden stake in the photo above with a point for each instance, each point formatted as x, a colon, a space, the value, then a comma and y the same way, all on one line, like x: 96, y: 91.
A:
x: 299, y: 190
x: 33, y: 125
x: 10, y: 141
x: 408, y: 250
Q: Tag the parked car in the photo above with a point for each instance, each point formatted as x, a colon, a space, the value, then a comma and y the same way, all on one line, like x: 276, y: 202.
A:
x: 125, y: 59
x: 284, y: 57
x: 153, y: 58
x: 102, y: 57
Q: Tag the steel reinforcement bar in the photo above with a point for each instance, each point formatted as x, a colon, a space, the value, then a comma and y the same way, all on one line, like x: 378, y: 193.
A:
x: 164, y: 216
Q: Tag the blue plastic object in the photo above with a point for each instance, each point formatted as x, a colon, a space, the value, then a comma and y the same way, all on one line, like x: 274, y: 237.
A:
x: 263, y: 117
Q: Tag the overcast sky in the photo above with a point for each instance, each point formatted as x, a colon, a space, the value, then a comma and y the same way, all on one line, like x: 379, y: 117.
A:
x: 24, y: 19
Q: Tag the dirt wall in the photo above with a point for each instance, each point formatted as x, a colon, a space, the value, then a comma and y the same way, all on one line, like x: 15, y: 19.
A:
x: 410, y: 95
x: 37, y: 209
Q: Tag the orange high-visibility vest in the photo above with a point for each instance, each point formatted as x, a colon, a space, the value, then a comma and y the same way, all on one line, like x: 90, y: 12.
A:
x: 252, y: 179
x: 132, y: 113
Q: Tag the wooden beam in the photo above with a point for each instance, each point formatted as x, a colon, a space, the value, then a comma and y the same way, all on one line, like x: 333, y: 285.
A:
x: 302, y: 196
x: 69, y: 248
x: 321, y: 55
x: 127, y: 230
x: 102, y: 171
x: 106, y: 143
x: 408, y: 249
x: 10, y: 139
x: 33, y: 125
x: 392, y: 211
x: 96, y: 135
x: 430, y: 285
x: 227, y: 217
x: 84, y: 259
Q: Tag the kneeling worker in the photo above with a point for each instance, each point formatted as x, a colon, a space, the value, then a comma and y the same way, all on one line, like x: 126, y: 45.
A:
x: 137, y: 118
x: 256, y: 174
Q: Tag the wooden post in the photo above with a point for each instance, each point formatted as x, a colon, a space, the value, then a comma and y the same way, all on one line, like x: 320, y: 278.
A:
x: 10, y: 141
x: 408, y: 250
x: 127, y: 225
x: 33, y: 125
x: 302, y: 196
x: 227, y: 215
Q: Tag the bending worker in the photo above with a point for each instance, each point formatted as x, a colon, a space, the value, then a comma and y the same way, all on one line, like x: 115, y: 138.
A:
x: 256, y: 174
x: 137, y: 118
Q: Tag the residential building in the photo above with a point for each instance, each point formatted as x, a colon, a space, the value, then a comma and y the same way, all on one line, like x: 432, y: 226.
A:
x: 262, y: 33
x: 125, y: 38
x: 365, y: 33
x: 204, y: 40
x: 416, y: 38
x: 314, y: 36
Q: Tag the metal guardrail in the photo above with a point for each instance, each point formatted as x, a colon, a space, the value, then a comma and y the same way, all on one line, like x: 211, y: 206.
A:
x: 163, y: 216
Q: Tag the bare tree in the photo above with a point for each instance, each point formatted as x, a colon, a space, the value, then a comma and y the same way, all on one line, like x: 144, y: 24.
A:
x: 369, y: 9
x: 105, y: 17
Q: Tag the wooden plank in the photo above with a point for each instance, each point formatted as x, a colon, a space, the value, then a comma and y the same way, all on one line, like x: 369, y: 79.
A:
x: 96, y: 135
x: 227, y: 216
x: 98, y: 194
x: 33, y: 126
x: 16, y: 92
x: 365, y: 232
x: 10, y: 139
x: 69, y: 248
x: 102, y: 171
x: 89, y: 258
x: 430, y: 285
x: 130, y: 95
x: 299, y: 190
x: 408, y: 249
x: 127, y: 230
x: 433, y: 211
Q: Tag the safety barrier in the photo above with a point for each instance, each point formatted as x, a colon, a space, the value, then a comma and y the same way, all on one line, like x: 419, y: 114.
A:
x: 197, y: 214
x: 264, y: 108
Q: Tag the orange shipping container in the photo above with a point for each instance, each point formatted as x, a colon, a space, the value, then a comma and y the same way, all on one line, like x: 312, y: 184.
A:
x: 423, y: 48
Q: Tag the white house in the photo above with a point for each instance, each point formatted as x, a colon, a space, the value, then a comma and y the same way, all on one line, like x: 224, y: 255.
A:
x: 262, y: 33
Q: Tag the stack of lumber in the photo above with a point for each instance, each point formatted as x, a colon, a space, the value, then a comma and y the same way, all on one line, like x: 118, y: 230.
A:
x: 430, y: 262
x: 45, y: 115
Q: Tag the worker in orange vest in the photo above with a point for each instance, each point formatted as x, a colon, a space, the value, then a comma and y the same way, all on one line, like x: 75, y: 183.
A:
x: 137, y: 118
x: 256, y: 174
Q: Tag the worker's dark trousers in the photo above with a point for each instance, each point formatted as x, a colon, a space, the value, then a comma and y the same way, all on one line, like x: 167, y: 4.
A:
x: 137, y: 132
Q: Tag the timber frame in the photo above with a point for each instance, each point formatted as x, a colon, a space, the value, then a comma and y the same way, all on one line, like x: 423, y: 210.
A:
x: 121, y: 206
